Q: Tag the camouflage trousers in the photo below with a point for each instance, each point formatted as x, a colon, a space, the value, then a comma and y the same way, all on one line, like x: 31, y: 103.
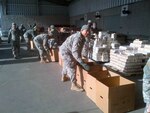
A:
x: 15, y: 48
x: 42, y: 51
x: 27, y: 40
x: 146, y: 86
x: 69, y: 66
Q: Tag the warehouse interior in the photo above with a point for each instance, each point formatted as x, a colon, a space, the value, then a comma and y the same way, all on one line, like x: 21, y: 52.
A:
x: 119, y: 59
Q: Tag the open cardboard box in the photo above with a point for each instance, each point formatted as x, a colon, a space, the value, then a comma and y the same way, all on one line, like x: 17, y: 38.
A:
x: 93, y: 76
x: 95, y: 70
x: 115, y: 94
x: 111, y: 92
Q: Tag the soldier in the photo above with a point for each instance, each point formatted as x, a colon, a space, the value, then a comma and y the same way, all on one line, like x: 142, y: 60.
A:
x: 70, y: 51
x: 41, y: 43
x: 22, y: 31
x: 53, y: 42
x: 89, y: 23
x: 146, y: 86
x: 29, y: 36
x: 14, y: 38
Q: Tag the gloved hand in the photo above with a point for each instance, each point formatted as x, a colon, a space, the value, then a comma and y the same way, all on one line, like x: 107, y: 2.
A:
x: 46, y: 49
x: 85, y: 66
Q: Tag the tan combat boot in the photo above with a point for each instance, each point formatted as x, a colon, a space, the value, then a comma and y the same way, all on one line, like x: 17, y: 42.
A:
x: 75, y: 87
x: 147, y: 109
x: 47, y: 61
x: 42, y: 60
x: 64, y: 78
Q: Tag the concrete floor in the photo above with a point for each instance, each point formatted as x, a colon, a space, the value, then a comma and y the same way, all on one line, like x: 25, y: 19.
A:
x: 26, y: 86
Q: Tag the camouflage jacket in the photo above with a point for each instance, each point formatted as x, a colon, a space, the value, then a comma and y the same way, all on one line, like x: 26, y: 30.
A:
x: 73, y: 45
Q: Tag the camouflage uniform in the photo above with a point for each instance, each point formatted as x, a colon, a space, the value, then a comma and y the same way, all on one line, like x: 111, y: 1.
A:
x: 29, y: 36
x: 14, y: 38
x: 85, y: 50
x: 41, y: 43
x: 71, y: 54
x: 53, y: 42
x: 146, y: 84
x: 22, y: 31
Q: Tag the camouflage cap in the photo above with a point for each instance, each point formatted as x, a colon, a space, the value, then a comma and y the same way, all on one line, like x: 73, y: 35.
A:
x: 89, y: 21
x: 52, y: 26
x: 13, y: 23
x: 85, y: 27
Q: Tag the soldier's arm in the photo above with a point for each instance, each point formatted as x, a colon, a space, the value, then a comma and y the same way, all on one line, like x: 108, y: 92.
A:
x: 146, y: 70
x: 76, y: 51
x: 45, y: 43
x: 9, y: 36
x: 146, y: 82
x: 33, y: 34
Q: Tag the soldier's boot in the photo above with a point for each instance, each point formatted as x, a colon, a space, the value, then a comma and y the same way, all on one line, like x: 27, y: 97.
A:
x: 146, y: 111
x: 28, y: 46
x: 75, y: 87
x: 147, y: 108
x: 42, y: 60
x: 14, y: 54
x: 64, y: 78
x: 47, y: 61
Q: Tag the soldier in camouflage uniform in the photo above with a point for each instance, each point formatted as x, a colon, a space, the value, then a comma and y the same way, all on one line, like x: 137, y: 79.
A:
x: 41, y: 43
x: 14, y: 38
x: 29, y: 36
x: 22, y: 31
x: 54, y: 41
x: 70, y: 52
x: 88, y: 46
x: 146, y: 86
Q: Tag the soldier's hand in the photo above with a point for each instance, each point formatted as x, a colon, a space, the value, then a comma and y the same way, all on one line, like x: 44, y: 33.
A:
x: 85, y: 66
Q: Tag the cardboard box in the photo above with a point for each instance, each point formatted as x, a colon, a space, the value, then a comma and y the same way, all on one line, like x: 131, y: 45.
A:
x: 81, y: 74
x: 91, y: 87
x: 96, y: 72
x: 81, y: 77
x: 60, y: 61
x: 54, y: 55
x: 115, y: 94
x: 32, y: 46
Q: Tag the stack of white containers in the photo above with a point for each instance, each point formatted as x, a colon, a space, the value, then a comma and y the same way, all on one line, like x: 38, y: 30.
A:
x: 101, y: 47
x: 145, y: 50
x: 128, y: 59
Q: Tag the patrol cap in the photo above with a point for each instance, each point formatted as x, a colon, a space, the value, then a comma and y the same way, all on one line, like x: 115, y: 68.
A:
x: 89, y: 21
x: 13, y: 23
x: 85, y: 27
x: 52, y: 26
